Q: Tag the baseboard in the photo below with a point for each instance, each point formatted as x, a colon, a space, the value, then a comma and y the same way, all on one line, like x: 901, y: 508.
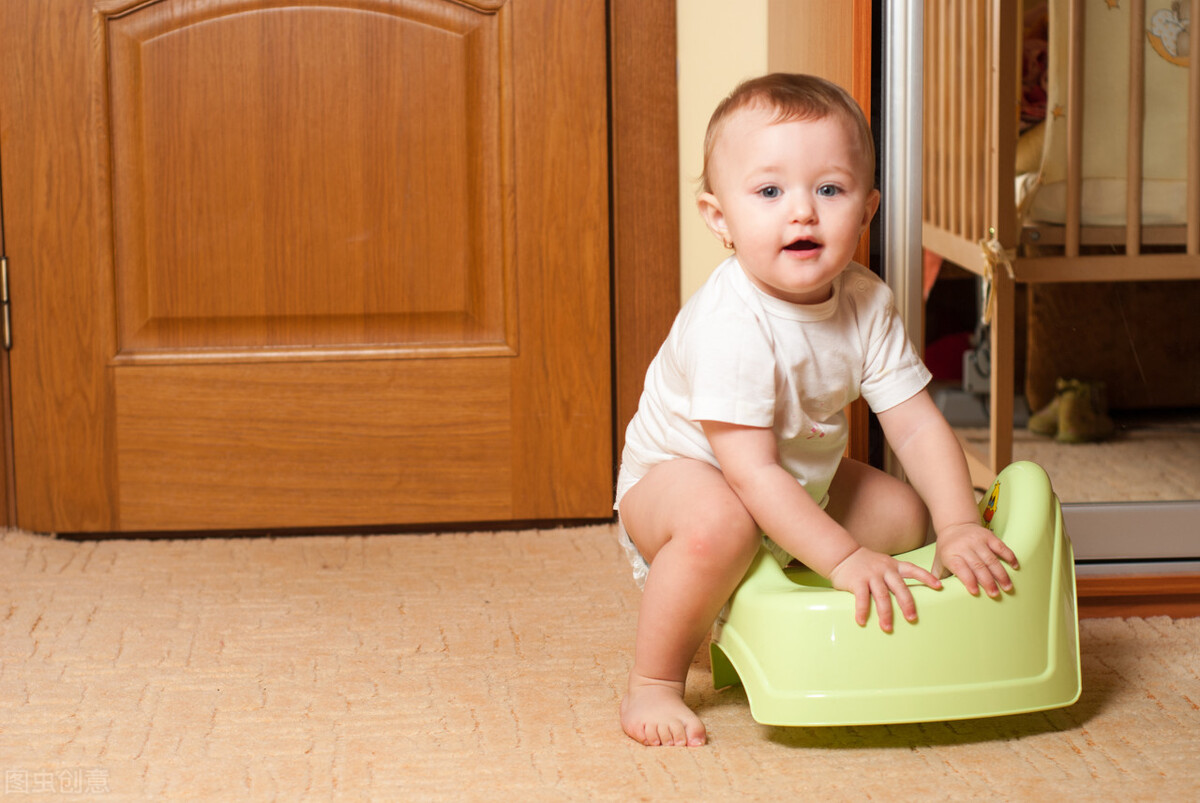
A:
x: 1174, y: 595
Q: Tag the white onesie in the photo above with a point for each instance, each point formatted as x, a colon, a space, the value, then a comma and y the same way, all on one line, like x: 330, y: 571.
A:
x: 740, y: 356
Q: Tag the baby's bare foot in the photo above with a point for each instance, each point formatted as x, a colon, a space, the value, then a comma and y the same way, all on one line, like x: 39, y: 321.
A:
x: 653, y: 713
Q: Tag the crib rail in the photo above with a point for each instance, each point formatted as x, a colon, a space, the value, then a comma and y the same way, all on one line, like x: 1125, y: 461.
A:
x: 971, y: 83
x: 970, y: 77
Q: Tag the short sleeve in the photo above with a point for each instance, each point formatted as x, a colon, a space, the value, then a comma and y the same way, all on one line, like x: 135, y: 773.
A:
x: 730, y: 369
x: 892, y: 370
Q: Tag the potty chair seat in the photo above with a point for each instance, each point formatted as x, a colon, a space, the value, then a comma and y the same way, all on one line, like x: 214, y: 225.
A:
x: 791, y: 640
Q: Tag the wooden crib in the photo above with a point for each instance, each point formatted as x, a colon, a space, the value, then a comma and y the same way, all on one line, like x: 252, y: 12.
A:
x: 972, y: 215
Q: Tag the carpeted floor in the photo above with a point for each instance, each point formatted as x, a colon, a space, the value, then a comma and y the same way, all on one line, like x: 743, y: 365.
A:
x: 1150, y: 458
x: 476, y: 667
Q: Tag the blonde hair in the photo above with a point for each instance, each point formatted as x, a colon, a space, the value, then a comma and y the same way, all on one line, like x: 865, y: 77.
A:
x: 792, y: 97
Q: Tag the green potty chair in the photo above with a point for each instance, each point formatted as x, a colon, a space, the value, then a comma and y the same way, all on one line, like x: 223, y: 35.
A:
x: 791, y: 640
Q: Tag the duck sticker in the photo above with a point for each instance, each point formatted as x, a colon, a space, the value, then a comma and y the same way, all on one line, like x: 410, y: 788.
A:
x: 1170, y: 32
x: 989, y: 510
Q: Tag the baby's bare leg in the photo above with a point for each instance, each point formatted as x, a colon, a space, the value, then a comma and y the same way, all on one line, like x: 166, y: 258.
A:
x: 699, y: 540
x: 880, y: 511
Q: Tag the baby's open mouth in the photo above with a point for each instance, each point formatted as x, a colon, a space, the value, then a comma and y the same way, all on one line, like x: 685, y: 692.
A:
x: 803, y: 245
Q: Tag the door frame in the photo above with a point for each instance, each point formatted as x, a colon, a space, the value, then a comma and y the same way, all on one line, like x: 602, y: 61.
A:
x: 643, y: 217
x: 8, y: 489
x: 644, y: 165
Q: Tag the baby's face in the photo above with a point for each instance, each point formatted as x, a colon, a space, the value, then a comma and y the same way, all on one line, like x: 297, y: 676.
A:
x: 794, y: 198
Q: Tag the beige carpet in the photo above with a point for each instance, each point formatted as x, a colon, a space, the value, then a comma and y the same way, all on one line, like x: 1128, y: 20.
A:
x: 479, y: 667
x: 1148, y: 460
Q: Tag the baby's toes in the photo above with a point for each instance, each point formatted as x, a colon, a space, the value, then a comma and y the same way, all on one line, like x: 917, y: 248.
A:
x: 672, y: 733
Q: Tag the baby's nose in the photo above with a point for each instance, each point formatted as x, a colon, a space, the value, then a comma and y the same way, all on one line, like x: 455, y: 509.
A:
x: 803, y: 207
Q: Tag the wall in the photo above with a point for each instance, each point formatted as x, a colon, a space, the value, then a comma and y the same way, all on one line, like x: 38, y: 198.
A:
x: 720, y: 44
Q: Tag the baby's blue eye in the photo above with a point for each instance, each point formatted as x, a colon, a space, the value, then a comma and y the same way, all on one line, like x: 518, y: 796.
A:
x: 770, y: 192
x: 828, y: 190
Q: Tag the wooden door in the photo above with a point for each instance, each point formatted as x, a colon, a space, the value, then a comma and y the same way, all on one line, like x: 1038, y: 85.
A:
x: 306, y: 263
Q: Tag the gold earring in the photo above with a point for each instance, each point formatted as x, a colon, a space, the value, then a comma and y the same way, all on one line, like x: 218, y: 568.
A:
x: 728, y: 243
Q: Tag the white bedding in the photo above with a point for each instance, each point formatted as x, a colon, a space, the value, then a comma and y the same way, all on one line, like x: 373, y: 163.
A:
x: 1105, y: 122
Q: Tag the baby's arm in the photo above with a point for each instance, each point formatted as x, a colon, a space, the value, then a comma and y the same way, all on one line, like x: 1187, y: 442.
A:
x: 935, y: 465
x: 749, y: 460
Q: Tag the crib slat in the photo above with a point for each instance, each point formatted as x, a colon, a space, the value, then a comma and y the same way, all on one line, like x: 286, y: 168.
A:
x: 943, y: 56
x: 1004, y: 103
x: 1193, y: 199
x: 927, y: 102
x: 943, y: 128
x: 971, y: 83
x: 1137, y: 122
x: 1074, y: 125
x: 954, y: 103
x: 975, y: 135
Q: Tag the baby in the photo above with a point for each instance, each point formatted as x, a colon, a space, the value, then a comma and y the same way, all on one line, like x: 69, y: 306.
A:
x: 740, y: 430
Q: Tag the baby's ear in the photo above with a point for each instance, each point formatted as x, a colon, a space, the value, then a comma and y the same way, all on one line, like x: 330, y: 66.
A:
x: 714, y: 217
x: 872, y: 206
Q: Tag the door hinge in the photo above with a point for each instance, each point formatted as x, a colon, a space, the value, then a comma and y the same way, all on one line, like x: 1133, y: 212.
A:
x: 4, y: 309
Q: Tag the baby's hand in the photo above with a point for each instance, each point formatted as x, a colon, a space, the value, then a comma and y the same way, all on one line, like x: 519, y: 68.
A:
x: 973, y: 553
x: 874, y: 575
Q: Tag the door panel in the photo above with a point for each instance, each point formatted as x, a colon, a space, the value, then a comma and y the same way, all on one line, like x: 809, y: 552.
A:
x: 287, y: 263
x: 268, y: 202
x: 381, y: 454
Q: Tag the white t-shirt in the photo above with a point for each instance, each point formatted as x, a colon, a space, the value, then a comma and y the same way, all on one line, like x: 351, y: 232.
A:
x: 740, y: 356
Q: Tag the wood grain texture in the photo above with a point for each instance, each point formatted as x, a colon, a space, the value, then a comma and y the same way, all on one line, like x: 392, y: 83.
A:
x: 311, y: 175
x: 368, y: 444
x: 60, y: 397
x: 1139, y: 595
x: 244, y: 199
x: 645, y: 221
x: 563, y: 381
